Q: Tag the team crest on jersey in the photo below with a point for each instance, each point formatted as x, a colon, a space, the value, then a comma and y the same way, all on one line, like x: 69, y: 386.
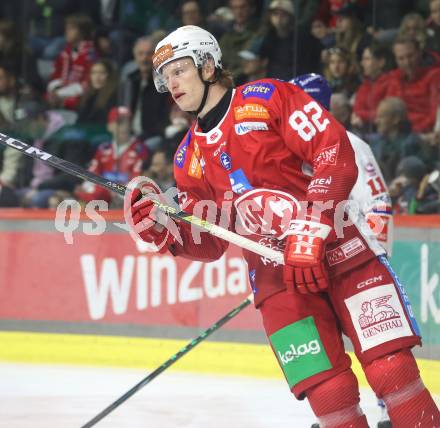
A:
x: 251, y: 111
x: 328, y: 156
x: 181, y: 152
x: 266, y: 212
x: 259, y: 90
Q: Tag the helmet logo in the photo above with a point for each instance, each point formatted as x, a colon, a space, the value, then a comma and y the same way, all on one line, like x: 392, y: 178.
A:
x: 161, y: 55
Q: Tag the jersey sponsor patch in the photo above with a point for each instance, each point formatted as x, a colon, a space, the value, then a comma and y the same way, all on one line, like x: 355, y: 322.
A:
x: 226, y: 161
x: 320, y: 185
x: 245, y: 127
x: 378, y: 316
x: 195, y: 166
x: 239, y: 181
x: 327, y: 156
x: 259, y: 90
x: 251, y: 111
x: 300, y: 351
x: 345, y: 251
x: 162, y: 54
x: 180, y: 157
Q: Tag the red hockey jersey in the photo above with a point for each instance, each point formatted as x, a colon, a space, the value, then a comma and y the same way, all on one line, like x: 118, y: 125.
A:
x: 264, y: 146
x: 72, y: 66
x: 120, y: 168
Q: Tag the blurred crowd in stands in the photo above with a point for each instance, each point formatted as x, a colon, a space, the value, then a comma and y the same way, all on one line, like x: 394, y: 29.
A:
x: 75, y: 80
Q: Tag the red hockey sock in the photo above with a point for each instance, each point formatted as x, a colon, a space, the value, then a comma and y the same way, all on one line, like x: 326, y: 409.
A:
x: 336, y: 402
x: 395, y: 378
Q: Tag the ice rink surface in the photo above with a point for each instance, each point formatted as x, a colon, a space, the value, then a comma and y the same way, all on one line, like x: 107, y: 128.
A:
x: 40, y: 396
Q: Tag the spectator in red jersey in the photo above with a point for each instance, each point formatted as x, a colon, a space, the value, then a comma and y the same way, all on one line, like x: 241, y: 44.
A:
x: 375, y: 60
x: 417, y: 85
x: 119, y: 160
x: 72, y: 66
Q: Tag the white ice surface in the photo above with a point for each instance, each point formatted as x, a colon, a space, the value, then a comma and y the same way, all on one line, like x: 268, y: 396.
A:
x: 39, y: 396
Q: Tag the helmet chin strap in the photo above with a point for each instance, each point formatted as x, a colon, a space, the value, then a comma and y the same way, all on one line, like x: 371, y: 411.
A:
x: 206, y: 84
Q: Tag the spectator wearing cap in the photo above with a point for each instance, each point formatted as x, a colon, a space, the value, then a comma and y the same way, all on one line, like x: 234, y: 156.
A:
x: 417, y: 85
x: 405, y: 186
x: 289, y: 52
x: 150, y: 108
x: 72, y: 66
x: 254, y: 65
x: 375, y: 63
x: 393, y: 139
x: 118, y: 160
x: 39, y: 180
x: 240, y: 33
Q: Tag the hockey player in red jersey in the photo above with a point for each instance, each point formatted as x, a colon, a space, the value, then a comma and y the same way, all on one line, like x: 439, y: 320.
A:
x: 247, y: 152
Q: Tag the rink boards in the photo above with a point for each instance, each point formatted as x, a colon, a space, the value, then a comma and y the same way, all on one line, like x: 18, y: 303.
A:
x: 87, y: 294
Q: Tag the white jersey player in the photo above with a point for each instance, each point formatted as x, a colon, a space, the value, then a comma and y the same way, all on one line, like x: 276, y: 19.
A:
x: 370, y: 192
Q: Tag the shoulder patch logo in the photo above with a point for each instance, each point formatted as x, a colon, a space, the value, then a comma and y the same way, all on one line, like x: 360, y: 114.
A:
x: 180, y: 157
x: 259, y: 90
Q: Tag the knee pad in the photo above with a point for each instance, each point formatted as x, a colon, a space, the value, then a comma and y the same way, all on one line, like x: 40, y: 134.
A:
x: 336, y: 401
x: 394, y: 377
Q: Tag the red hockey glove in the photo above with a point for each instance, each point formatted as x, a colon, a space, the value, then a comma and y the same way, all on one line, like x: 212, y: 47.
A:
x: 145, y: 217
x: 304, y: 267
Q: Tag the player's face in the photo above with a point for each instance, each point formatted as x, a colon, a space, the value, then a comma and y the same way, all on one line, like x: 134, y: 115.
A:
x: 183, y: 82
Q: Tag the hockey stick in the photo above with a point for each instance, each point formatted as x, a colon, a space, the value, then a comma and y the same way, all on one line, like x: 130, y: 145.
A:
x: 172, y: 212
x: 169, y: 362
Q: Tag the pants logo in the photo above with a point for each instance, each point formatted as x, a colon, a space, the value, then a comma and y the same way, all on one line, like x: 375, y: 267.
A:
x: 296, y: 352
